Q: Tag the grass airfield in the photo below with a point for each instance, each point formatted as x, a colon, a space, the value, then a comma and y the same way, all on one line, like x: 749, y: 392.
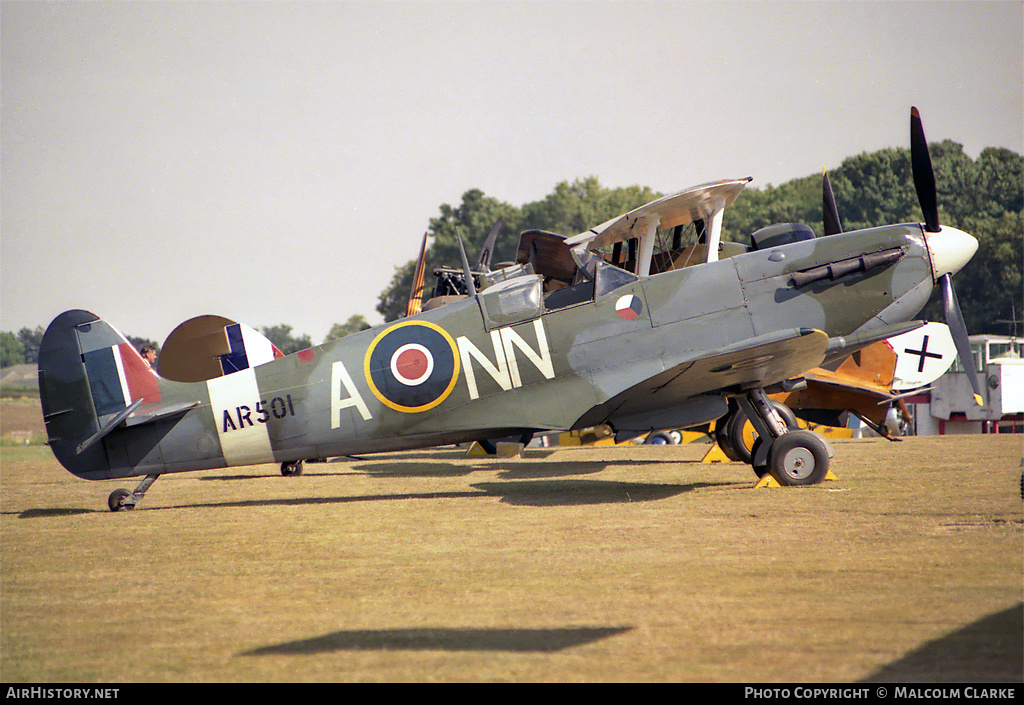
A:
x: 627, y: 563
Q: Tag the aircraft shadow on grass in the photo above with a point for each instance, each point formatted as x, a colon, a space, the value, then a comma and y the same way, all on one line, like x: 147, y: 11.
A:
x: 988, y: 650
x: 539, y: 493
x: 426, y: 465
x: 442, y: 639
x: 545, y: 493
x: 44, y: 512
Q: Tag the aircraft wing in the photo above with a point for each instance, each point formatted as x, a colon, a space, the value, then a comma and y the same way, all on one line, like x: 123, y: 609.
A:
x: 847, y: 384
x: 681, y: 208
x: 757, y: 362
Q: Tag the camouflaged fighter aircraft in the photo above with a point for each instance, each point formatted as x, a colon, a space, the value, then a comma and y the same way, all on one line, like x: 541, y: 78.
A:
x: 648, y: 321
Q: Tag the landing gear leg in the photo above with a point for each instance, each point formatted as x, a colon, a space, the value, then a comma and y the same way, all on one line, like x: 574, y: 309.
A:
x: 768, y: 424
x: 793, y: 457
x: 731, y: 430
x: 123, y: 499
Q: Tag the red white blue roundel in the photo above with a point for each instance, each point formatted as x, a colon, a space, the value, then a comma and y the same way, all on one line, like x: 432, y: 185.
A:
x: 629, y: 306
x: 412, y: 366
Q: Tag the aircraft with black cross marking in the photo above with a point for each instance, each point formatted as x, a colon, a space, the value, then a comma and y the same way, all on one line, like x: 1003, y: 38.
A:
x: 647, y: 321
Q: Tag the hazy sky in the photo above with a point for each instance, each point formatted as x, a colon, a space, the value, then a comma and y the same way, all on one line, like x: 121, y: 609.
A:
x: 273, y: 162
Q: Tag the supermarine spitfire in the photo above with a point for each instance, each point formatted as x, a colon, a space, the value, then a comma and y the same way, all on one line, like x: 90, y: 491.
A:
x: 647, y: 321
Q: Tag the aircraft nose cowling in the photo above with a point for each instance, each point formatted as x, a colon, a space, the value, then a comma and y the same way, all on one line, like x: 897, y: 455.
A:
x: 950, y: 249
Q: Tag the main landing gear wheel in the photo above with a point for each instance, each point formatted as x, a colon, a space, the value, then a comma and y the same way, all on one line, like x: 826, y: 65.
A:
x: 798, y: 458
x: 759, y: 470
x: 721, y: 434
x: 659, y: 438
x: 291, y: 469
x: 731, y: 433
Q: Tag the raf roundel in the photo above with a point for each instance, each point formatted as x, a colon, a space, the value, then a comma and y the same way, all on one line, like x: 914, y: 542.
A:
x: 629, y: 307
x: 412, y: 366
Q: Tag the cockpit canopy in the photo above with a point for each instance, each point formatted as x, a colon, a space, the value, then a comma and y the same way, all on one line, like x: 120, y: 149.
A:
x: 780, y: 234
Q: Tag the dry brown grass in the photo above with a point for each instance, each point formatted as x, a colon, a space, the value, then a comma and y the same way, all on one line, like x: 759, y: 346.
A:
x: 21, y: 419
x: 599, y: 564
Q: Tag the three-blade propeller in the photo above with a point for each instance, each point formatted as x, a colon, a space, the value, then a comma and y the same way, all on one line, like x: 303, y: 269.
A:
x: 924, y: 184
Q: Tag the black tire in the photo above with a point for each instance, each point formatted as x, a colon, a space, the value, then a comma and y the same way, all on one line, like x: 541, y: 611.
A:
x: 738, y: 424
x: 799, y: 458
x: 291, y: 469
x: 722, y: 435
x: 659, y: 438
x: 759, y: 470
x: 116, y: 499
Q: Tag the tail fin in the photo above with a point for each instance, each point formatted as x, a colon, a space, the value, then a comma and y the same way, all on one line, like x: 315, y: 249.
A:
x: 89, y: 377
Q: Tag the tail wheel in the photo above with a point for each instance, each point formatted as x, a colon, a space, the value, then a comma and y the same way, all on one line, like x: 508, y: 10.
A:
x: 799, y: 458
x: 116, y: 500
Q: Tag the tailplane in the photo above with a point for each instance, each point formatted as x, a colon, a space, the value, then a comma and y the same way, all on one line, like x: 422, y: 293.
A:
x: 90, y: 379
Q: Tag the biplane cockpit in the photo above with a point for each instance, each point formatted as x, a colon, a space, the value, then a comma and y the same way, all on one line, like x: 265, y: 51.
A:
x: 672, y: 233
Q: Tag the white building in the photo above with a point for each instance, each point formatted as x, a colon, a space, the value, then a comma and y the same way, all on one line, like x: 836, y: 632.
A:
x: 949, y: 407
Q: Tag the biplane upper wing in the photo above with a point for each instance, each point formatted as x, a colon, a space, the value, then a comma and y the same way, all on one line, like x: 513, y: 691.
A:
x: 693, y: 204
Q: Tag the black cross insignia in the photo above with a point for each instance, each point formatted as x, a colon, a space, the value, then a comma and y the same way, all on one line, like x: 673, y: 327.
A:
x: 923, y: 352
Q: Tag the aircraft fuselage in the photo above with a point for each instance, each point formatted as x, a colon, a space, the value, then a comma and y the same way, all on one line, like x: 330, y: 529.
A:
x: 454, y: 374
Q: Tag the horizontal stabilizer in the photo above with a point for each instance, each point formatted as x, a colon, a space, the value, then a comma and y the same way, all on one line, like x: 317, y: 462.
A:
x: 150, y: 413
x: 108, y: 426
x: 158, y: 412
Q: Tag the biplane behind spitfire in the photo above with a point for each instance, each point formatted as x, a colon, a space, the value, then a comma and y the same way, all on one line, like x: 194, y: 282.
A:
x: 647, y: 321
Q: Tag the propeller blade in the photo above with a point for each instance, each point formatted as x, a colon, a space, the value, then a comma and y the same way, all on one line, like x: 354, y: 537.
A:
x: 924, y: 176
x: 484, y: 263
x: 415, y: 304
x: 829, y: 211
x: 466, y: 271
x: 958, y: 329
